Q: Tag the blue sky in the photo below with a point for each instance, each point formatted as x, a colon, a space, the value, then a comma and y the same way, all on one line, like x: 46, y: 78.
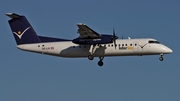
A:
x: 26, y: 76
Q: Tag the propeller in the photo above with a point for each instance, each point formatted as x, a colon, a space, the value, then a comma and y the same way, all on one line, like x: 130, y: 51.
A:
x: 114, y: 38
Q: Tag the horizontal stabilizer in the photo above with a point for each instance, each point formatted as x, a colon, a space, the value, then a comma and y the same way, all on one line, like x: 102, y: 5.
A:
x: 13, y: 15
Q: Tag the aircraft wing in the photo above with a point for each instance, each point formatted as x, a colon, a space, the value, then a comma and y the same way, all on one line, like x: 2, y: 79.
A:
x: 86, y: 32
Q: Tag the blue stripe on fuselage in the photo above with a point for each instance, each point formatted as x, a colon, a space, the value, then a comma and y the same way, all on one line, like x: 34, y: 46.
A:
x: 50, y: 39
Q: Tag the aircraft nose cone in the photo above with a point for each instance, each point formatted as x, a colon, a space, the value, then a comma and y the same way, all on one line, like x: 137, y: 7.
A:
x: 167, y: 50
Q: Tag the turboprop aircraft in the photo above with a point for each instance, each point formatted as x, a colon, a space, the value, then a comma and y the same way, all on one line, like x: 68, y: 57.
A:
x: 89, y: 44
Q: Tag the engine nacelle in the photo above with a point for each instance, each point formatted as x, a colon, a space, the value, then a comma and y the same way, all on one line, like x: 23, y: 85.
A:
x: 104, y: 39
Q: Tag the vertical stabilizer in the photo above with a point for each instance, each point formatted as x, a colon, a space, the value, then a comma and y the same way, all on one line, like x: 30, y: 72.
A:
x: 22, y: 30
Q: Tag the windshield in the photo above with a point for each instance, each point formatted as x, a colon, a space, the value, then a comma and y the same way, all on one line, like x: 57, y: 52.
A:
x: 152, y: 41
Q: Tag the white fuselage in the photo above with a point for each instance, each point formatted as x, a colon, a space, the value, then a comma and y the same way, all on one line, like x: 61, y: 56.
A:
x: 124, y: 47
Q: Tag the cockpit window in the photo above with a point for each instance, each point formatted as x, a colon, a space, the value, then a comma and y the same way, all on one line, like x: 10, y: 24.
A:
x: 157, y: 42
x: 151, y: 41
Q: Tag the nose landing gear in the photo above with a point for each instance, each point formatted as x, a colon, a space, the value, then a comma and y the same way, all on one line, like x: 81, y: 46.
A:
x: 161, y: 57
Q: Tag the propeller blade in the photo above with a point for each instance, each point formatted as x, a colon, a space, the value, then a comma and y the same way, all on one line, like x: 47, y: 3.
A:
x: 114, y: 38
x: 113, y: 32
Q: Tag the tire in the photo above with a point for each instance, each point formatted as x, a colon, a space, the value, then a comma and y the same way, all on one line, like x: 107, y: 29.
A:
x: 90, y: 57
x: 100, y: 63
x: 161, y: 58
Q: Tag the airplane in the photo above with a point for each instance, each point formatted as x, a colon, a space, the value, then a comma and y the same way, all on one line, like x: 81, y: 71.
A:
x: 89, y: 44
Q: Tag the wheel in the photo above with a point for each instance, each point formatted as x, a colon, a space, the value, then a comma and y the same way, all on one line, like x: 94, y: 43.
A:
x: 90, y: 57
x: 100, y: 63
x: 161, y: 58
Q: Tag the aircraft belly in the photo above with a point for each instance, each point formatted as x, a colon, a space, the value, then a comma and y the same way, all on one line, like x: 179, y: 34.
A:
x: 74, y: 52
x: 79, y: 53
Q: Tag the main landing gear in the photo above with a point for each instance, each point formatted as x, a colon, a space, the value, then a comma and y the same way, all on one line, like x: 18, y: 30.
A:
x: 92, y: 50
x: 90, y: 57
x: 161, y: 57
x: 100, y: 63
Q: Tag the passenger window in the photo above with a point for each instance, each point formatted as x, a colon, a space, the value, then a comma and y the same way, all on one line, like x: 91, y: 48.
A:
x: 130, y: 44
x: 108, y: 45
x: 126, y: 44
x: 112, y: 45
x: 122, y: 44
x: 119, y: 45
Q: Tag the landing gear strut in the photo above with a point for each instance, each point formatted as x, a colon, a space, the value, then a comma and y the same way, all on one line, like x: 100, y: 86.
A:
x: 161, y: 57
x: 91, y: 51
x: 100, y: 63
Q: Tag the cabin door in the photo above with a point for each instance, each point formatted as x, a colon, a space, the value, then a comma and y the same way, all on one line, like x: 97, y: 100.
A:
x: 136, y: 46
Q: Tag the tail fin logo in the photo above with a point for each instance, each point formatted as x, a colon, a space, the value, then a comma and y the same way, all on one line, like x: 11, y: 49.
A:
x: 19, y: 34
